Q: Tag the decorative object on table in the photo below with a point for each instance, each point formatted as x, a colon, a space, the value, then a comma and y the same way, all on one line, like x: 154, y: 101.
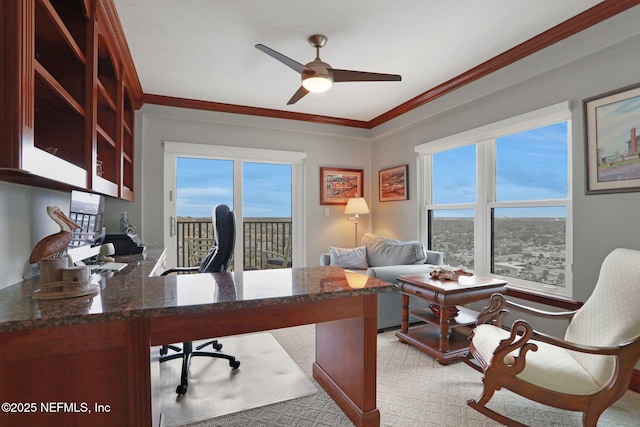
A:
x: 125, y: 225
x: 51, y: 269
x: 446, y: 272
x: 99, y: 168
x: 56, y: 244
x: 75, y: 282
x: 356, y: 206
x: 393, y: 184
x: 337, y: 186
x: 612, y: 128
x: 435, y: 309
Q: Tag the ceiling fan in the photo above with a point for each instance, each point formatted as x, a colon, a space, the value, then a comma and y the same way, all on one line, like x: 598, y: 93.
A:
x: 318, y: 76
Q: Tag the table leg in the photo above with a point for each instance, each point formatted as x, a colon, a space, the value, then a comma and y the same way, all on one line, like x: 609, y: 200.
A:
x: 404, y: 323
x: 445, y: 315
x: 346, y: 363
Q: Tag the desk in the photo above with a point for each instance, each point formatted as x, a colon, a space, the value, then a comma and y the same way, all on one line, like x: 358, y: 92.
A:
x: 88, y: 361
x: 437, y: 337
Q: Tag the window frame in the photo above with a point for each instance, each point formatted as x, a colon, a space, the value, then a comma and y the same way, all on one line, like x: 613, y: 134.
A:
x: 484, y: 139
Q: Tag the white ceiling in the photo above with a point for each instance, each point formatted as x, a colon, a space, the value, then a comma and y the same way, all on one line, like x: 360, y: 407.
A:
x: 204, y: 49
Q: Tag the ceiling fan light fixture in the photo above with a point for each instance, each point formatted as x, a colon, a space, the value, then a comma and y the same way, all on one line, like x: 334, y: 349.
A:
x: 317, y: 84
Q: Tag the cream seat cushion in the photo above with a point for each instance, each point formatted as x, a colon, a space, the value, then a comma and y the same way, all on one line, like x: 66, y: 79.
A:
x: 550, y: 367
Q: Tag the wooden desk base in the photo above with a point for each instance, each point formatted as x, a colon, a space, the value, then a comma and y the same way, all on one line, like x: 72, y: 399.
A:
x: 101, y: 373
x: 346, y: 343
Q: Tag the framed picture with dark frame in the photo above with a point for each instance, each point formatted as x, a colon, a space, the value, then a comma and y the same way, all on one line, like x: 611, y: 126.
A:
x: 339, y: 185
x: 393, y: 184
x: 612, y: 137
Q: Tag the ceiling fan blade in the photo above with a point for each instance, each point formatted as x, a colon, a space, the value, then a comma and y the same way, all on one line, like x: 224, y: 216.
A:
x: 294, y: 65
x: 298, y: 95
x: 362, y: 76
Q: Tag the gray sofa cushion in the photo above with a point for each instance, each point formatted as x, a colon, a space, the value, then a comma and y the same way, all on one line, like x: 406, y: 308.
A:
x: 382, y: 251
x: 349, y: 258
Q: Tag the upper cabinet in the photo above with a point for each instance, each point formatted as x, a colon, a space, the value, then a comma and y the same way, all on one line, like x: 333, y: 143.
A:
x: 69, y: 94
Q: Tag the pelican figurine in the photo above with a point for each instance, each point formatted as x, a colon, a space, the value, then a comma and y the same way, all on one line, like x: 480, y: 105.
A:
x: 55, y: 244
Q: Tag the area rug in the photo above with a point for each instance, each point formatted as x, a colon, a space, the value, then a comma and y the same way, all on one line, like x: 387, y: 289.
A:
x: 266, y: 375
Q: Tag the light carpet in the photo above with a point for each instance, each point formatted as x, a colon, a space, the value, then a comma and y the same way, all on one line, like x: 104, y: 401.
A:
x: 413, y: 390
x: 266, y: 375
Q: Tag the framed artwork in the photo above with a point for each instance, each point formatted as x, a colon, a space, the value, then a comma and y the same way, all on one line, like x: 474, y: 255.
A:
x: 612, y: 136
x: 393, y: 184
x: 339, y: 185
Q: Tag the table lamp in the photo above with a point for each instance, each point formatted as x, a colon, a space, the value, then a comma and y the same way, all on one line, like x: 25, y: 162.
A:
x: 356, y: 206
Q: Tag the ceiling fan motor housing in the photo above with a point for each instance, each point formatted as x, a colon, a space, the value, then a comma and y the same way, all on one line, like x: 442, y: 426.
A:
x: 319, y: 79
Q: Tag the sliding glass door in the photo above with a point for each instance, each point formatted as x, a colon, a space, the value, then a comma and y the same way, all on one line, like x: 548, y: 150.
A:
x: 264, y: 193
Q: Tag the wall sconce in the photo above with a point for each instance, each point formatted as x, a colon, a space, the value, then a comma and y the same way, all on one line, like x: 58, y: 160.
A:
x: 356, y: 206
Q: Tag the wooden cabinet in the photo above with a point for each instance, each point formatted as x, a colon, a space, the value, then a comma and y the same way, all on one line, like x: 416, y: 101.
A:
x: 69, y: 90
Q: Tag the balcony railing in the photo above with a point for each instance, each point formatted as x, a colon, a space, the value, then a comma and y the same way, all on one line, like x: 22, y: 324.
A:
x: 260, y: 234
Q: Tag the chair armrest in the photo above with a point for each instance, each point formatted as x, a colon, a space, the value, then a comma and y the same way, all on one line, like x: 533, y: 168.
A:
x: 498, y: 309
x: 180, y: 270
x: 434, y: 257
x: 272, y: 253
x: 325, y: 259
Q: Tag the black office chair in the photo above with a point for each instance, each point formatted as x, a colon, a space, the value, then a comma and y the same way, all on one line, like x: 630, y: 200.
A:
x: 217, y: 260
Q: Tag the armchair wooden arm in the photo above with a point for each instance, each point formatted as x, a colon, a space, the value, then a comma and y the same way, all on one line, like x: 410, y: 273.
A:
x: 498, y: 307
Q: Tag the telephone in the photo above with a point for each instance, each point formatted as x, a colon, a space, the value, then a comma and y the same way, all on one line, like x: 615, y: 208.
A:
x: 125, y: 244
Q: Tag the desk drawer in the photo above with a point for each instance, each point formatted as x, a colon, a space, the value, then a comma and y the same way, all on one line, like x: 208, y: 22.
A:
x: 417, y: 291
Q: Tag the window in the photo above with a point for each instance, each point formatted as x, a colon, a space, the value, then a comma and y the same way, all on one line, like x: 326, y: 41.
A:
x: 497, y: 199
x: 256, y: 183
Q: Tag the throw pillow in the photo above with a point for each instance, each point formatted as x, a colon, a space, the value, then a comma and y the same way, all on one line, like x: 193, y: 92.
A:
x: 355, y: 258
x: 382, y: 251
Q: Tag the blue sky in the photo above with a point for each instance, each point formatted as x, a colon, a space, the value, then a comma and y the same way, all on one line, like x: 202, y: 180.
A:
x: 203, y: 183
x: 530, y: 165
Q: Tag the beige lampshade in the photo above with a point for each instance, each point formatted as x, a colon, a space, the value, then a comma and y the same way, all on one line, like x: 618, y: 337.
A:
x: 356, y: 206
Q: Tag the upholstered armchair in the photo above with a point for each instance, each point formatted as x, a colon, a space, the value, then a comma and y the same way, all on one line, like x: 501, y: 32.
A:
x: 588, y: 370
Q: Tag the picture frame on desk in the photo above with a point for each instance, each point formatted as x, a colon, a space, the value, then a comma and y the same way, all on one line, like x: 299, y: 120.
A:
x: 612, y: 141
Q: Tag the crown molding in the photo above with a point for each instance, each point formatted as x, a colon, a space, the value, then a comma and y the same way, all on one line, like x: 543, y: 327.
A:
x: 568, y: 28
x: 251, y: 111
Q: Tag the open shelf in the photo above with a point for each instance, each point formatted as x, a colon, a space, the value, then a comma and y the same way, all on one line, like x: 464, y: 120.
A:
x: 465, y: 317
x: 59, y: 50
x: 58, y: 128
x: 70, y: 102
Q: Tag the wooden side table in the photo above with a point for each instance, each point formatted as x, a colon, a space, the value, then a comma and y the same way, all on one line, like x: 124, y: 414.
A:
x: 438, y: 336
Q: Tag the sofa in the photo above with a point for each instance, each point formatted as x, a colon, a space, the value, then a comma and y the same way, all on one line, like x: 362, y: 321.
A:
x: 386, y: 259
